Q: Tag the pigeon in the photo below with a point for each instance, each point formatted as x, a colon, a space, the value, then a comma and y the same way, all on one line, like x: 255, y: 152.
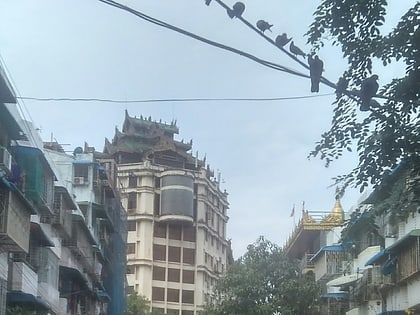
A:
x: 264, y: 25
x: 316, y: 67
x: 341, y: 86
x: 282, y: 40
x: 368, y: 90
x: 296, y: 50
x: 207, y: 2
x: 237, y: 10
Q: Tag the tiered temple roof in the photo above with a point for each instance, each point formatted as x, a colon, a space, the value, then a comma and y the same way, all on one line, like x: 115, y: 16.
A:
x: 143, y: 139
x: 310, y: 226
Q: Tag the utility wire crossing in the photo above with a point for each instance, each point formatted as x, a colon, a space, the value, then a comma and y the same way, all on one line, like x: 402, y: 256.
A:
x: 168, y: 100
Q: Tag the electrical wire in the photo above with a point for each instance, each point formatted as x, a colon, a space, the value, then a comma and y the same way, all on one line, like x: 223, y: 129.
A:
x: 167, y: 100
x: 202, y: 39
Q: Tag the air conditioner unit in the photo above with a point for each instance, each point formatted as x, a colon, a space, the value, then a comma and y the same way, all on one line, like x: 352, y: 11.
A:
x: 79, y: 181
x: 5, y: 160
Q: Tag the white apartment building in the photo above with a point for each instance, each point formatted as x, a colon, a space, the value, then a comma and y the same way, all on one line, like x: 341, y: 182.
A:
x: 177, y: 216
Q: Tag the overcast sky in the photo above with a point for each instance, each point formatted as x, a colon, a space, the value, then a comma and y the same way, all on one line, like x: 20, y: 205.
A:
x: 87, y: 49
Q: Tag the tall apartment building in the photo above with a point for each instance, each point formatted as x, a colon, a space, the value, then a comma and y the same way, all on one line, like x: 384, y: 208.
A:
x: 177, y: 215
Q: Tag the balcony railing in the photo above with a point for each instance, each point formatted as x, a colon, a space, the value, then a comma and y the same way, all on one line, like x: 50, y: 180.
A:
x: 14, y: 221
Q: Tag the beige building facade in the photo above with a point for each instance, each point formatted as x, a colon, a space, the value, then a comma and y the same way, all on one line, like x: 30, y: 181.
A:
x: 177, y: 215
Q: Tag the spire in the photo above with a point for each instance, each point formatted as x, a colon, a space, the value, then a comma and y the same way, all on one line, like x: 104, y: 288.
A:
x: 337, y: 212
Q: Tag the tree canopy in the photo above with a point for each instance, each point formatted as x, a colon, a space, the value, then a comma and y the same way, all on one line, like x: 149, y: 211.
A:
x: 390, y: 132
x: 262, y: 282
x: 138, y: 305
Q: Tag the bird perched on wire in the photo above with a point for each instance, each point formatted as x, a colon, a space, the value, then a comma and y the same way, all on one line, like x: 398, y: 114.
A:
x: 316, y: 67
x: 296, y: 50
x: 237, y: 10
x: 264, y: 26
x: 341, y: 86
x: 368, y: 90
x: 282, y: 40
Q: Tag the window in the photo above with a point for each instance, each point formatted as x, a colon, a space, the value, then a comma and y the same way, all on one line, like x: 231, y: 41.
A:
x: 158, y: 294
x: 188, y: 276
x: 189, y: 254
x: 131, y: 248
x: 132, y: 181
x: 157, y: 182
x: 160, y: 230
x: 81, y: 170
x: 159, y: 252
x: 173, y: 275
x: 131, y: 269
x: 131, y: 225
x: 156, y: 205
x: 188, y: 296
x: 158, y: 273
x: 189, y: 233
x: 172, y: 312
x: 184, y: 312
x: 174, y: 232
x: 130, y: 289
x: 174, y: 254
x: 132, y: 200
x: 173, y: 295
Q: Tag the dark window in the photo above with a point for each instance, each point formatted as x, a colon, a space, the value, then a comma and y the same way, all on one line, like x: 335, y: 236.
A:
x: 173, y: 295
x: 174, y: 254
x: 160, y: 230
x: 130, y: 289
x: 131, y: 248
x: 189, y: 233
x: 188, y: 276
x: 156, y: 205
x: 172, y: 312
x: 159, y: 252
x: 187, y: 312
x: 157, y: 182
x: 132, y: 181
x: 132, y: 200
x: 173, y: 275
x: 158, y: 310
x: 188, y: 296
x: 131, y: 225
x: 189, y: 254
x: 131, y: 269
x: 81, y: 170
x: 158, y: 273
x: 174, y: 232
x: 158, y: 294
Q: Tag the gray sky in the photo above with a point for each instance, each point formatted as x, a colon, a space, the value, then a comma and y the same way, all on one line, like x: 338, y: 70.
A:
x: 86, y: 49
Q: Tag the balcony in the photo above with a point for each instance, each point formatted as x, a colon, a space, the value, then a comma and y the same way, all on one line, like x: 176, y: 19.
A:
x: 306, y: 263
x: 24, y: 279
x: 15, y: 214
x: 329, y: 262
x: 39, y: 184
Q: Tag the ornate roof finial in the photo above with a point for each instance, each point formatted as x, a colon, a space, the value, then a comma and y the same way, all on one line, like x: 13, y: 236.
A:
x: 337, y: 212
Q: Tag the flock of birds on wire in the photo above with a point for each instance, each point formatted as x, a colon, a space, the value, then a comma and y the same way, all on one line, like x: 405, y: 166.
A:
x: 369, y: 86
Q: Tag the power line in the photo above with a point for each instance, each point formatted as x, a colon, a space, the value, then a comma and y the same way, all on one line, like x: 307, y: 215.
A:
x: 155, y: 21
x: 167, y: 100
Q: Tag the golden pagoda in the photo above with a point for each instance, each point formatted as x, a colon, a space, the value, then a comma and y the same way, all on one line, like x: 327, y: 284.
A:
x: 305, y: 239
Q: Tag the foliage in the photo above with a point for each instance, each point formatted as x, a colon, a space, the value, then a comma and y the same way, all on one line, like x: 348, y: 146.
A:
x: 398, y: 196
x: 262, y: 282
x: 359, y: 225
x: 139, y: 305
x: 18, y: 310
x: 390, y: 132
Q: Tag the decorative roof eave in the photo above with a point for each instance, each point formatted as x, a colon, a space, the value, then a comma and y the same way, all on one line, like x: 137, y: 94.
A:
x: 172, y: 128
